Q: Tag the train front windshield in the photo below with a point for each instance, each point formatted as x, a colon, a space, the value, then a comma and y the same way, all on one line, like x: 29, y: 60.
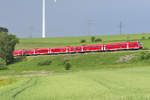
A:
x: 140, y: 44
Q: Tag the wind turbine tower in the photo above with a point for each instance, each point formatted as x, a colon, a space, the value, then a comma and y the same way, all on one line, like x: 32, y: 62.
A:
x: 44, y: 18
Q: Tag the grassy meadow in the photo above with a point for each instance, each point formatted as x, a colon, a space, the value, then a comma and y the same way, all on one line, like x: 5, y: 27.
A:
x: 92, y: 76
x: 32, y: 43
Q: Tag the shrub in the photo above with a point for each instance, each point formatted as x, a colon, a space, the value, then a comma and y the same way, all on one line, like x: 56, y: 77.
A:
x: 98, y: 40
x: 83, y: 41
x: 66, y: 61
x: 149, y: 37
x: 143, y: 38
x: 67, y: 66
x: 144, y: 56
x: 44, y: 62
x: 2, y: 64
x: 93, y: 39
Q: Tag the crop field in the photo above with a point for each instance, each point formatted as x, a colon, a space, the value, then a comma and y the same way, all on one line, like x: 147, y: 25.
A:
x: 105, y: 84
x: 32, y: 43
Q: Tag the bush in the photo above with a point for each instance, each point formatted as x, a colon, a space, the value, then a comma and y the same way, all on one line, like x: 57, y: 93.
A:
x: 149, y: 37
x: 93, y: 38
x: 2, y: 64
x: 67, y: 66
x: 144, y: 56
x: 44, y: 62
x: 143, y: 38
x: 98, y: 40
x: 83, y: 41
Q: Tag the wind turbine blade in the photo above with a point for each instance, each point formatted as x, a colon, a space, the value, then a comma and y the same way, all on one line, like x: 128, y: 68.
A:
x: 56, y: 2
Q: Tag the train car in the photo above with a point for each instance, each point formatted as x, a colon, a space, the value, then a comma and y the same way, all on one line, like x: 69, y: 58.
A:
x: 123, y: 46
x: 115, y: 46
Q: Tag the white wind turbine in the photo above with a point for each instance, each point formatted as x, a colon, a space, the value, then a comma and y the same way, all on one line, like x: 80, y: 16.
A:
x: 44, y: 18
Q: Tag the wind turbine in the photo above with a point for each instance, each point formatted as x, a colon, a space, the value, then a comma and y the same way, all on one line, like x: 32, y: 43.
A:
x: 44, y: 18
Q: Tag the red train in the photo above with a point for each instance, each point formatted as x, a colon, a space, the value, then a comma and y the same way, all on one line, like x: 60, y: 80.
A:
x: 84, y: 48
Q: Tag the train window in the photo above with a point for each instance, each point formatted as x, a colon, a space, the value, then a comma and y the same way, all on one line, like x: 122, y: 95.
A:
x: 42, y: 50
x: 27, y: 51
x: 132, y: 44
x: 140, y: 44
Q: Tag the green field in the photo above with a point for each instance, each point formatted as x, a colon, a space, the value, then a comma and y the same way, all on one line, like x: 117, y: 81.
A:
x: 92, y: 76
x: 33, y: 43
x: 104, y: 84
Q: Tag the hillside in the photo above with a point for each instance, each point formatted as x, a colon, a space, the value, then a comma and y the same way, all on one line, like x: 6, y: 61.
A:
x: 74, y: 41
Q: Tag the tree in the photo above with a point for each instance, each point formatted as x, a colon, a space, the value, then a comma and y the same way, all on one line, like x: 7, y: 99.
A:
x: 93, y: 38
x: 3, y: 29
x: 98, y: 40
x: 83, y: 41
x: 7, y: 46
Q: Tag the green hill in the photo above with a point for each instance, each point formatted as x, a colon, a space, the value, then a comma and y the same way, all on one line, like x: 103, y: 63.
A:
x: 74, y: 41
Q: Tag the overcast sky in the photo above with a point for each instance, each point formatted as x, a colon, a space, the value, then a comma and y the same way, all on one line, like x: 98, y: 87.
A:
x: 71, y: 17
